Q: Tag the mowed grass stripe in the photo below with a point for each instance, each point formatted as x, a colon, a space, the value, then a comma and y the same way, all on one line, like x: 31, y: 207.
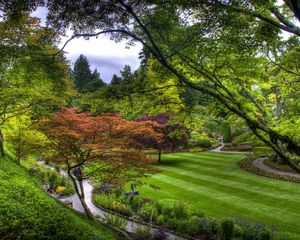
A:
x: 238, y: 186
x: 216, y: 207
x: 211, y: 158
x: 260, y: 208
x: 234, y: 173
x: 213, y: 183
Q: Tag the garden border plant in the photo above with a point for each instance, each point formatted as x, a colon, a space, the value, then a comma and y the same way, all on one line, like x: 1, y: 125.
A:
x: 53, y: 179
x: 181, y: 219
x: 247, y: 165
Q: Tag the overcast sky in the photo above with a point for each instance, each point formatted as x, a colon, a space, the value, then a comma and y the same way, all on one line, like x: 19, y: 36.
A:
x: 104, y: 54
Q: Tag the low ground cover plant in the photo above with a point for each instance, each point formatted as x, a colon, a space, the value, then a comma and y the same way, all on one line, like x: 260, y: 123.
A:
x: 53, y: 181
x: 247, y: 164
x: 180, y: 217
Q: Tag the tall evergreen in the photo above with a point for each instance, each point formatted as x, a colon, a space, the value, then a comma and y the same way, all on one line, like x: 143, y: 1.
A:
x: 84, y: 79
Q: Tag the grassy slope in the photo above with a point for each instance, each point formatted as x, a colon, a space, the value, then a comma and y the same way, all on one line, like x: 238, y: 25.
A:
x: 214, y: 183
x: 27, y: 211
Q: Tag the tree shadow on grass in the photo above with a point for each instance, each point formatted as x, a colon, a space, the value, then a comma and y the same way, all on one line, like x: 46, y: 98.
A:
x: 171, y: 162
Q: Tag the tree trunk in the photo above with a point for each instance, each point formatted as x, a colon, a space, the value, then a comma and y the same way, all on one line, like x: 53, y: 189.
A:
x: 2, y: 152
x: 275, y: 144
x: 78, y: 185
x: 159, y: 155
x: 279, y: 108
x: 83, y: 203
x: 18, y: 160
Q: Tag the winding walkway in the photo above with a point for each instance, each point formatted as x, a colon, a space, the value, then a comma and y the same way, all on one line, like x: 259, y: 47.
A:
x: 219, y: 149
x: 259, y: 163
x: 88, y: 191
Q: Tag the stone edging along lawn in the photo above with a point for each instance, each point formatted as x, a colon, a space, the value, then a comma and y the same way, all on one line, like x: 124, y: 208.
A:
x: 248, y: 165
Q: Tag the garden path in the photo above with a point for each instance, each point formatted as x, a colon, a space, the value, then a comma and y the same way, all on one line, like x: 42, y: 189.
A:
x: 131, y: 226
x: 218, y: 149
x: 259, y: 163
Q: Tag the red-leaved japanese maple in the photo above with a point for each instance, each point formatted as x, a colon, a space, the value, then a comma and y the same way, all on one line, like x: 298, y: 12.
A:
x: 80, y: 138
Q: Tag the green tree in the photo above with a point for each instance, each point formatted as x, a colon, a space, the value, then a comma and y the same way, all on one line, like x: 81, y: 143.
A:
x: 84, y: 79
x: 24, y: 138
x: 31, y: 80
x: 215, y: 47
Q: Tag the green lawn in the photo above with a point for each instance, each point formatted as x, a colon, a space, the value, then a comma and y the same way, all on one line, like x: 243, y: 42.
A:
x: 28, y: 212
x: 215, y: 184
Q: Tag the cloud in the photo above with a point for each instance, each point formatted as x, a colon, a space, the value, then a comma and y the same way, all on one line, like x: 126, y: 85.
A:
x: 103, y: 53
x: 108, y: 65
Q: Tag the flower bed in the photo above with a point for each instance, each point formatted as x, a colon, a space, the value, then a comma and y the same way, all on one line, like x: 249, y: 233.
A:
x: 247, y: 164
x: 181, y: 219
x: 54, y: 182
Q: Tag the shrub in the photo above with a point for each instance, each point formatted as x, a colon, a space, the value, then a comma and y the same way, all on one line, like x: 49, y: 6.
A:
x: 116, y: 221
x: 60, y: 189
x: 201, y: 140
x: 160, y: 219
x: 197, y: 212
x: 111, y: 203
x: 265, y: 234
x: 149, y: 212
x: 226, y: 132
x: 262, y: 151
x: 166, y: 207
x: 185, y: 226
x: 208, y: 226
x: 182, y: 210
x: 103, y: 200
x: 193, y: 225
x: 231, y: 147
x: 256, y: 231
x: 248, y: 138
x: 173, y: 223
x: 121, y: 208
x: 119, y: 192
x: 206, y: 142
x: 53, y: 179
x: 284, y: 236
x: 237, y: 231
x: 226, y: 231
x: 68, y: 191
x: 143, y: 232
x: 135, y: 203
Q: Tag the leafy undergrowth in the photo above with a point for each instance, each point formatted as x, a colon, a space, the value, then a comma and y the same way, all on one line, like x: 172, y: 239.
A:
x: 182, y: 219
x: 27, y: 212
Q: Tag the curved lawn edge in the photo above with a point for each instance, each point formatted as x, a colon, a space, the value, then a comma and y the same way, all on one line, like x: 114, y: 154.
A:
x: 247, y: 164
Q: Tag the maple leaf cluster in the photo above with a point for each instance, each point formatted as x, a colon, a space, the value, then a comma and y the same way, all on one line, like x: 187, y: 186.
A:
x: 79, y: 137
